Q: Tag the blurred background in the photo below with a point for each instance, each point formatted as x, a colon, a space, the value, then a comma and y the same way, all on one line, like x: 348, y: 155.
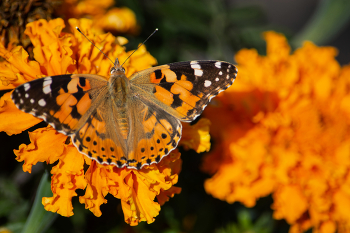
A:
x: 188, y: 30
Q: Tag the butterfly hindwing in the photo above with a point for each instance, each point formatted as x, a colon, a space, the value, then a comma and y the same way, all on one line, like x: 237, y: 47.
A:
x: 98, y: 140
x: 155, y: 133
x: 184, y: 89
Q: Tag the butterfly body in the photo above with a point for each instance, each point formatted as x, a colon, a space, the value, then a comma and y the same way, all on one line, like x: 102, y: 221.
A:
x: 127, y: 122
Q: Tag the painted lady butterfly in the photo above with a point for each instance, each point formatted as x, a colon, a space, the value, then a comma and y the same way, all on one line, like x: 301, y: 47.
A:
x: 127, y: 122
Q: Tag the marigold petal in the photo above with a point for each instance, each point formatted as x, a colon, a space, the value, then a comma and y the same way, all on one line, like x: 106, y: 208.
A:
x: 196, y: 136
x: 12, y: 120
x: 43, y: 33
x: 43, y: 140
x: 136, y: 188
x: 9, y: 79
x: 119, y: 20
x: 97, y: 188
x: 67, y: 176
x: 286, y: 126
x: 52, y: 49
x: 92, y: 7
x: 165, y: 195
x: 289, y: 203
x: 277, y: 47
x: 19, y: 65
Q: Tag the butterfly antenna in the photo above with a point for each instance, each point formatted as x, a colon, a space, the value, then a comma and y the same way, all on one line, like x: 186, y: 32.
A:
x: 94, y: 44
x: 140, y: 45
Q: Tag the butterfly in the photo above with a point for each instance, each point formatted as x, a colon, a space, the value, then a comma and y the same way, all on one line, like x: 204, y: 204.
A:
x: 128, y: 122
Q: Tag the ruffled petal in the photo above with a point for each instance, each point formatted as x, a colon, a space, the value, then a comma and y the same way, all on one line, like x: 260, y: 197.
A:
x: 12, y: 120
x: 97, y: 187
x: 122, y: 20
x: 9, y: 79
x: 136, y: 188
x: 67, y: 176
x: 19, y: 65
x: 47, y: 145
x: 196, y: 136
x: 286, y: 126
x: 165, y: 195
x: 52, y: 48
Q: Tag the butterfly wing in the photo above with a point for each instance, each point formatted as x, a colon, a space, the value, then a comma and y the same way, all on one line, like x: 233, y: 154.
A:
x: 184, y: 89
x: 79, y: 106
x: 137, y: 135
x: 153, y: 133
x: 142, y: 132
x: 100, y: 137
x: 61, y: 100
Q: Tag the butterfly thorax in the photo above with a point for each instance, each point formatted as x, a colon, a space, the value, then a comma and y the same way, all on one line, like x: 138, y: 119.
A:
x: 119, y: 89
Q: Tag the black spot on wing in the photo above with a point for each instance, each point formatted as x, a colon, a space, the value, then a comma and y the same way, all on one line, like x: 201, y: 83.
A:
x: 82, y: 81
x: 177, y: 101
x: 158, y: 74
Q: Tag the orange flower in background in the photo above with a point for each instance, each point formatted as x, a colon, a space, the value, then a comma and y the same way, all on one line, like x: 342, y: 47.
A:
x: 104, y: 15
x: 285, y: 125
x: 57, y: 53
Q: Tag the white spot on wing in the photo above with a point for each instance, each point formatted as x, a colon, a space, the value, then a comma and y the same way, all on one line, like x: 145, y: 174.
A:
x: 42, y: 102
x: 26, y: 95
x: 218, y: 64
x: 228, y: 76
x: 198, y: 72
x: 220, y: 73
x: 46, y: 85
x: 20, y: 101
x: 195, y: 66
x: 217, y: 79
x: 32, y: 101
x: 26, y: 86
x: 207, y: 83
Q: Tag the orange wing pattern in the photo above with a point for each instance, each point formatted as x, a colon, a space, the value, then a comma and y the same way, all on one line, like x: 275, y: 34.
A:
x: 184, y: 89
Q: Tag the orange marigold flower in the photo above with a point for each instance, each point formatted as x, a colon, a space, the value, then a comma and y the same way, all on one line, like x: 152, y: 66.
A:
x: 57, y: 53
x: 104, y: 15
x: 286, y: 126
x: 197, y: 136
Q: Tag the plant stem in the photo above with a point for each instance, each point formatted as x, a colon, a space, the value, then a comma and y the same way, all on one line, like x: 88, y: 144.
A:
x: 39, y: 219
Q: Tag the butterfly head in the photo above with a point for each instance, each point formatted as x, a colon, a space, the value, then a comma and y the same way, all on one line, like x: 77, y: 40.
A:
x: 117, y: 68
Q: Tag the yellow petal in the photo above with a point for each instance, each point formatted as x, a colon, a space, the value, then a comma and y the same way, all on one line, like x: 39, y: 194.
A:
x: 47, y: 145
x: 196, y: 136
x: 289, y: 203
x: 20, y: 65
x: 118, y: 20
x: 67, y: 176
x: 165, y: 195
x: 12, y: 120
x: 52, y: 48
x: 97, y: 188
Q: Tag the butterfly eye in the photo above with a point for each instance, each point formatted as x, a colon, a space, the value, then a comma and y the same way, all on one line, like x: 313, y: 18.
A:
x: 113, y: 70
x: 117, y: 68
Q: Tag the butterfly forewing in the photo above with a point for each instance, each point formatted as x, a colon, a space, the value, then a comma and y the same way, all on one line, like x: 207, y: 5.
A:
x: 184, y: 89
x: 61, y: 100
